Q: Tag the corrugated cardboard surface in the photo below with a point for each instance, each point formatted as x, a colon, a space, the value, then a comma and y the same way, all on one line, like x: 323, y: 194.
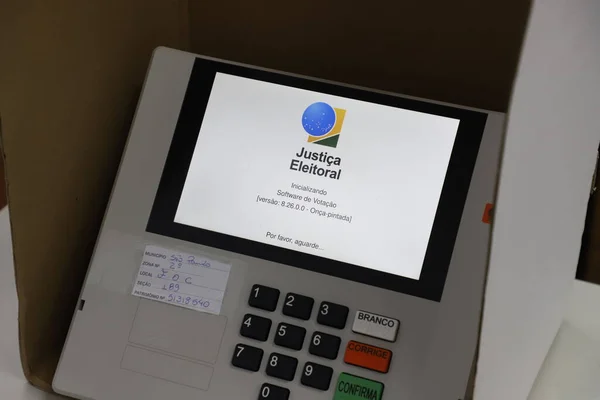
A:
x: 463, y: 52
x: 548, y: 162
x: 68, y: 76
x: 2, y: 184
x: 71, y: 69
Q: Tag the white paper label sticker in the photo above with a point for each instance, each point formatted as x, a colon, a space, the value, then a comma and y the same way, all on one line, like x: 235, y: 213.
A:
x: 182, y: 279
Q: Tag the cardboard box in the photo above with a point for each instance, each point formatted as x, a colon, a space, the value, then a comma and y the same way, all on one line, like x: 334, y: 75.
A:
x: 588, y: 268
x: 2, y: 185
x: 71, y: 72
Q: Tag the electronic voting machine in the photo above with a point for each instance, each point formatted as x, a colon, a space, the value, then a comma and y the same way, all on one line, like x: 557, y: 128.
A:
x: 276, y: 237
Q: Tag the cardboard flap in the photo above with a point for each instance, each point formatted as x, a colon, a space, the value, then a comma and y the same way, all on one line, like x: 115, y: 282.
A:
x: 68, y: 79
x: 2, y: 181
x: 463, y: 52
x: 588, y: 268
x: 71, y: 72
x: 547, y: 169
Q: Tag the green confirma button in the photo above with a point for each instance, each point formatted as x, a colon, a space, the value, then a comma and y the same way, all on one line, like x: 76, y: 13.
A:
x: 351, y: 387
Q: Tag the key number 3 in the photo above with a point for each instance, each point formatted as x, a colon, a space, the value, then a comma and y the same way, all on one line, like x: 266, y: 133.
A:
x: 325, y: 309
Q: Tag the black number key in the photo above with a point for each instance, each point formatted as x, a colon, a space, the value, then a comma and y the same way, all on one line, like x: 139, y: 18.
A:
x: 255, y: 327
x: 316, y: 376
x: 272, y: 392
x: 298, y: 306
x: 281, y: 366
x: 324, y: 345
x: 247, y: 357
x: 263, y: 297
x: 290, y: 336
x: 331, y: 314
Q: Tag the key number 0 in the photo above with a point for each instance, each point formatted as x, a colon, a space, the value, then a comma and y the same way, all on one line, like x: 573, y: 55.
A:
x: 273, y: 362
x: 325, y: 309
x: 266, y: 391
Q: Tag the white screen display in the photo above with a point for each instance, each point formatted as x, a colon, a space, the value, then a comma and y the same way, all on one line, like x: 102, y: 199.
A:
x: 334, y: 177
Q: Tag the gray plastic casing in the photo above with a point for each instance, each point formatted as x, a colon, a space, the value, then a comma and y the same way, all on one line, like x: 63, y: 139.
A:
x: 123, y: 347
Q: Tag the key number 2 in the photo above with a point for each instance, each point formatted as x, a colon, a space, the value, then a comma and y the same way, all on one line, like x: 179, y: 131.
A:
x: 290, y: 301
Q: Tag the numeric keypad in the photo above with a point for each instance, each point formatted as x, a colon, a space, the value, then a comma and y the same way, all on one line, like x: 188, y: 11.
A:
x: 292, y: 337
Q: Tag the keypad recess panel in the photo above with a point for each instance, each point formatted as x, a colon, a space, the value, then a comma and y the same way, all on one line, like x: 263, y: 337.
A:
x: 322, y: 347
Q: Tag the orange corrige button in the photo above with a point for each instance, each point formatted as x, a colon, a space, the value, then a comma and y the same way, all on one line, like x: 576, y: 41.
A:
x: 367, y: 356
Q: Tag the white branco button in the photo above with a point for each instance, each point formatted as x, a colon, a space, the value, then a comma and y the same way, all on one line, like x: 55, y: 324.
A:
x: 375, y: 325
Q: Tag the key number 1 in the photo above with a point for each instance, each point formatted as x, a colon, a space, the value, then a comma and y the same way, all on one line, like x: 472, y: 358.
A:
x: 256, y: 290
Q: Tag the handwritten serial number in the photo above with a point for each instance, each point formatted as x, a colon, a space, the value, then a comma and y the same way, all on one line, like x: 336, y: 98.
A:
x: 188, y: 300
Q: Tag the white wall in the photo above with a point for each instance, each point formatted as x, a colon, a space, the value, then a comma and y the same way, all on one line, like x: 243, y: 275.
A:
x: 550, y: 151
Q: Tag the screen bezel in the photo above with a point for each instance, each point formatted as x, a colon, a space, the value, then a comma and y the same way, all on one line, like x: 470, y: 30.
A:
x: 447, y: 217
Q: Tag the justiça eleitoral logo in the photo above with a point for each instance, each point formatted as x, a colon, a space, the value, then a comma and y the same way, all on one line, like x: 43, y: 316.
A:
x: 323, y: 123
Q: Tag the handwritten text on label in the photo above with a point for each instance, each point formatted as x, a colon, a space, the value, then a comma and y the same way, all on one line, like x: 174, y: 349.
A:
x: 182, y: 279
